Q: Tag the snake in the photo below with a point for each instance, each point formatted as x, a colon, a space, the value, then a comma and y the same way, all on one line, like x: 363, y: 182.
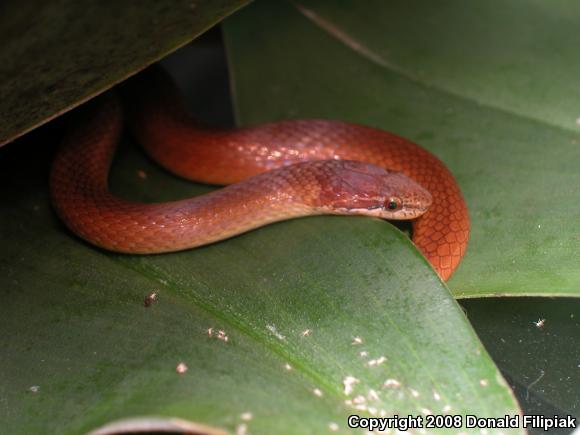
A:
x: 274, y: 171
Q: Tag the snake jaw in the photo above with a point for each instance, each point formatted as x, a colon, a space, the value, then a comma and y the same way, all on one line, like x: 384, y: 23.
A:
x: 409, y: 211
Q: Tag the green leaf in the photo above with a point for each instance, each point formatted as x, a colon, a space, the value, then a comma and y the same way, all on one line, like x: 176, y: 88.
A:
x: 492, y: 89
x: 74, y: 324
x: 541, y: 364
x: 58, y: 54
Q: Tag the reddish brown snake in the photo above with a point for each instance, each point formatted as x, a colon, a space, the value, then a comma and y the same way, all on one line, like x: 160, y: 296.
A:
x: 277, y: 171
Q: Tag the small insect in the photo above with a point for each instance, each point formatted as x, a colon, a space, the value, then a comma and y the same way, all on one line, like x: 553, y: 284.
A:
x: 149, y: 299
x: 540, y: 323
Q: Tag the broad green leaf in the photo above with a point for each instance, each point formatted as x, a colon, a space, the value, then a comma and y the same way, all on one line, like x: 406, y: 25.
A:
x: 518, y: 56
x: 74, y: 325
x: 487, y: 87
x: 541, y: 364
x: 58, y: 54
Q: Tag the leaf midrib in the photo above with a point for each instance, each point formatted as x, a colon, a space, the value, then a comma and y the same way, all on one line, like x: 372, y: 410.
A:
x: 364, y: 52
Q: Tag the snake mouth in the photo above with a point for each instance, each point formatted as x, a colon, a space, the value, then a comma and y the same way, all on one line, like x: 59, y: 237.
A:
x: 414, y: 211
x: 408, y: 212
x: 422, y: 208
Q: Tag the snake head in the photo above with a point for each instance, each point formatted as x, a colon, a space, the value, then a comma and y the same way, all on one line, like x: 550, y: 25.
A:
x: 365, y: 189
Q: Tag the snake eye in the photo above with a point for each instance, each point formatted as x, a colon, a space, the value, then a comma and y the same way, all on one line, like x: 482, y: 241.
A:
x: 394, y: 204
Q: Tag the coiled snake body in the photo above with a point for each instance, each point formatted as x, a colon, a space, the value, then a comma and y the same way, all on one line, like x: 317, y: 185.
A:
x: 277, y: 171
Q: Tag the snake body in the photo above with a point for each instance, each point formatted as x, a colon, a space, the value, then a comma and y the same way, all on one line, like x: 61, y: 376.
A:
x: 275, y: 171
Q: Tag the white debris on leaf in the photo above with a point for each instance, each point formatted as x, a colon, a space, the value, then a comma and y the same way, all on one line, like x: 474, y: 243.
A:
x: 349, y: 383
x: 333, y: 427
x: 376, y: 362
x: 181, y: 368
x: 246, y: 416
x: 273, y: 330
x: 392, y: 383
x: 317, y: 392
x: 221, y: 335
x: 357, y: 341
x: 540, y: 323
